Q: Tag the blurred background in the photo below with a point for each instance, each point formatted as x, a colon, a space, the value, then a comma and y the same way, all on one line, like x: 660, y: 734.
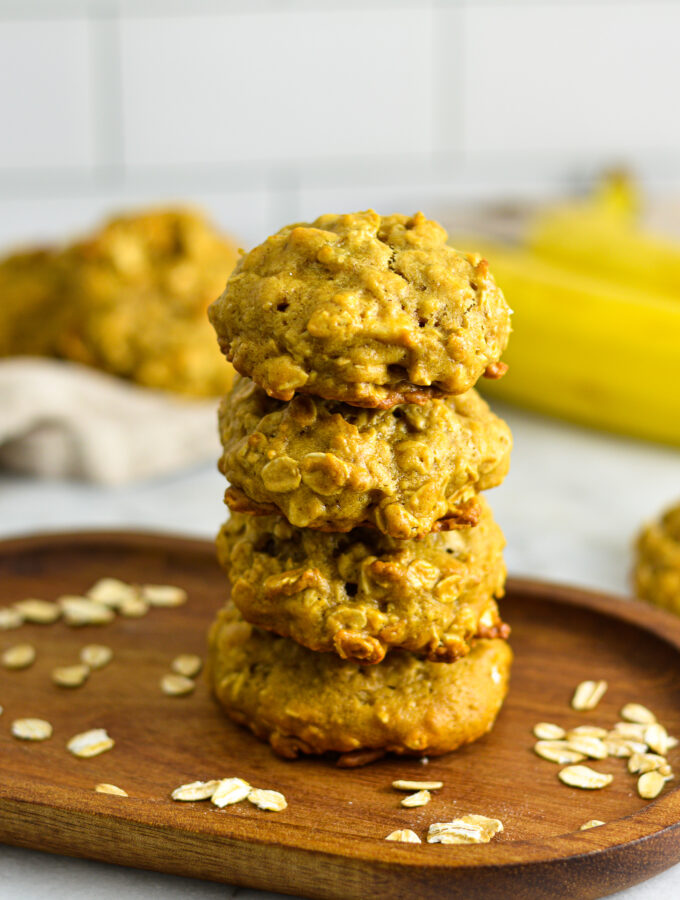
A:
x: 270, y: 111
x: 542, y: 133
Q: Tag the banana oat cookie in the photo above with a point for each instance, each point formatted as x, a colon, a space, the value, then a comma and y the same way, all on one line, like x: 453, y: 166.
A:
x: 30, y: 318
x: 331, y: 466
x: 365, y: 309
x: 138, y: 291
x: 305, y: 702
x: 362, y: 593
x: 130, y: 300
x: 657, y: 573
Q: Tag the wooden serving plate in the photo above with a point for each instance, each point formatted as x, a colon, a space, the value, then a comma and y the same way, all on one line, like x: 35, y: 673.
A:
x: 329, y: 842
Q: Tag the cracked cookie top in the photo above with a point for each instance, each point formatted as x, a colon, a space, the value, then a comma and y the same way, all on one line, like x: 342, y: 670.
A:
x: 371, y: 310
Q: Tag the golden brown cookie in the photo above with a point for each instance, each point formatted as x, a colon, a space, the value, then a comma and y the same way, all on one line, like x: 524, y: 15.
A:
x: 370, y: 310
x: 331, y: 466
x: 29, y: 316
x: 657, y: 573
x: 361, y: 594
x: 138, y: 292
x: 305, y: 702
x: 130, y: 300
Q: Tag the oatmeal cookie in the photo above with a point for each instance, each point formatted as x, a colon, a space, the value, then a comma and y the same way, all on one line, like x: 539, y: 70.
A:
x: 361, y: 594
x: 331, y: 466
x: 138, y: 292
x: 657, y: 573
x: 30, y: 318
x: 305, y: 702
x: 370, y: 310
x: 131, y: 300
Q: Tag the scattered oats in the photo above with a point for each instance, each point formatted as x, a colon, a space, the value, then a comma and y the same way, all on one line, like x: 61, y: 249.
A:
x: 456, y: 832
x: 546, y: 731
x: 38, y: 612
x: 230, y: 790
x: 269, y: 800
x: 420, y: 798
x: 557, y: 752
x: 134, y: 608
x: 469, y: 829
x: 418, y: 785
x: 20, y: 656
x: 632, y: 730
x: 176, y: 685
x: 666, y: 771
x: 1, y: 710
x: 112, y: 592
x: 656, y: 738
x: 584, y: 777
x: 111, y: 789
x: 587, y: 731
x: 90, y: 743
x: 83, y: 611
x: 621, y: 747
x: 96, y: 656
x: 492, y: 826
x: 650, y: 785
x: 187, y: 664
x: 31, y: 729
x: 639, y: 763
x: 197, y: 790
x: 405, y: 836
x: 10, y: 618
x: 588, y: 694
x: 588, y: 746
x: 671, y: 742
x: 71, y: 676
x: 636, y: 712
x: 163, y: 594
x: 593, y: 823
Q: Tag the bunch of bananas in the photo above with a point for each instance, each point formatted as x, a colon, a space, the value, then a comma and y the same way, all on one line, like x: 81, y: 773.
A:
x: 596, y: 330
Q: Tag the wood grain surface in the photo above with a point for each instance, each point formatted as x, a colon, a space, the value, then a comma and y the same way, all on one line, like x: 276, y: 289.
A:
x: 329, y: 842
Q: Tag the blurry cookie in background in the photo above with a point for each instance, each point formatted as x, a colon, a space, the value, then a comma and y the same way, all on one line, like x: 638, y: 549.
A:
x: 130, y: 300
x: 29, y: 305
x: 657, y: 570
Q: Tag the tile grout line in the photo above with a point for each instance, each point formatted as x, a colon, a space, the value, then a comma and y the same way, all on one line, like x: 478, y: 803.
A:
x: 107, y: 113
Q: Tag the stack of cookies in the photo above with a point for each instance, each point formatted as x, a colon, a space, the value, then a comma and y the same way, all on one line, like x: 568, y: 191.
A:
x: 364, y: 564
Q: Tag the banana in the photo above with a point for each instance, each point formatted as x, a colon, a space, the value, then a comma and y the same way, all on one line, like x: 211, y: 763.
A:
x: 601, y: 236
x: 595, y: 350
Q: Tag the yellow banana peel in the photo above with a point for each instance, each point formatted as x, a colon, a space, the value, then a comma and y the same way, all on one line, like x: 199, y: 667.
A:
x: 601, y: 236
x: 606, y: 246
x: 591, y: 349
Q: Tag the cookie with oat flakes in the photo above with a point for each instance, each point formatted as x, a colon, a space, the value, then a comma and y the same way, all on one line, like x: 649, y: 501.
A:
x: 330, y: 466
x: 304, y: 702
x: 362, y: 594
x: 367, y: 309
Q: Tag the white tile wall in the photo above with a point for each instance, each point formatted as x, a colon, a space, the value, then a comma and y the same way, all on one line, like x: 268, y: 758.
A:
x: 45, y: 96
x: 273, y: 110
x: 245, y: 214
x: 579, y: 80
x: 278, y: 86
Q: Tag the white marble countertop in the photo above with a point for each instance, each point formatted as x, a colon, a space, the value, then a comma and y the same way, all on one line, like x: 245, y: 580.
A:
x: 570, y: 509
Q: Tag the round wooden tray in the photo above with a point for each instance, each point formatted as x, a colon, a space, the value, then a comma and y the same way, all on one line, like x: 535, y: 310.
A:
x: 329, y: 842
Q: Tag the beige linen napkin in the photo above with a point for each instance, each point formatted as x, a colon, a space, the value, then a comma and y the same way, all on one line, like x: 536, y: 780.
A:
x: 63, y: 420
